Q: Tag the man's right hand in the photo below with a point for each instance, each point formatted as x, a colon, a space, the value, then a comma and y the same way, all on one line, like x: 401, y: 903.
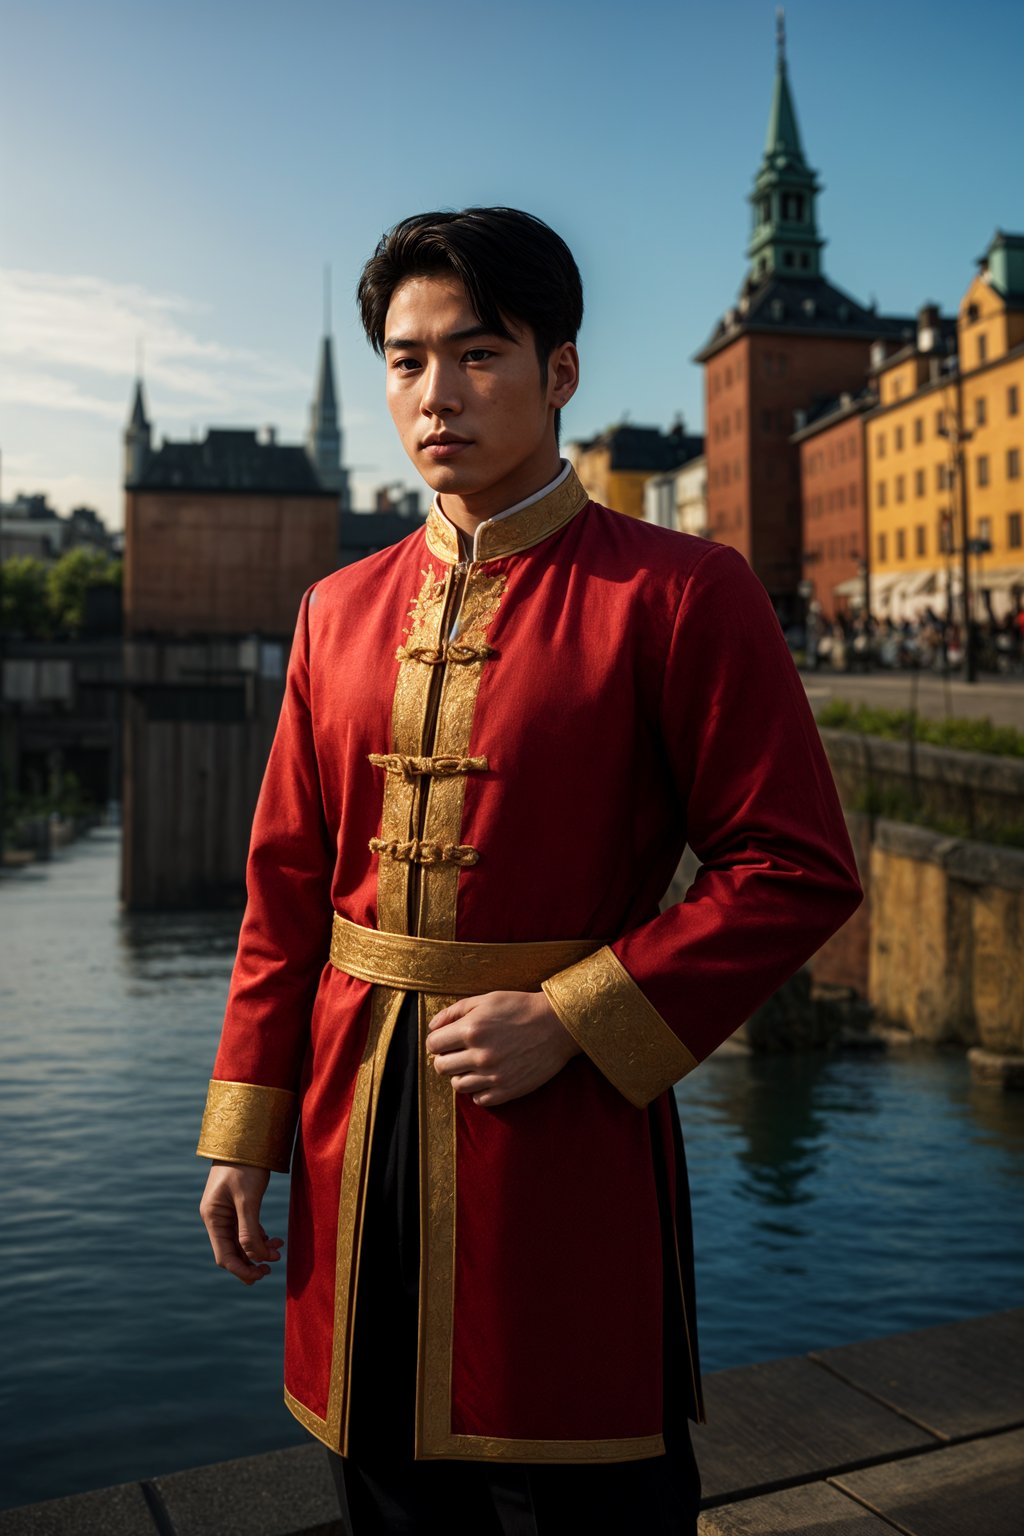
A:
x: 230, y: 1209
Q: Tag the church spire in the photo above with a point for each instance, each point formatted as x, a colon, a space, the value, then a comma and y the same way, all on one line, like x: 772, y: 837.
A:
x: 783, y: 133
x: 324, y: 441
x: 138, y: 433
x: 784, y: 241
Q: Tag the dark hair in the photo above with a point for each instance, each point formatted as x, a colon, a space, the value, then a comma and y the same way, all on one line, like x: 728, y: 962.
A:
x: 509, y: 262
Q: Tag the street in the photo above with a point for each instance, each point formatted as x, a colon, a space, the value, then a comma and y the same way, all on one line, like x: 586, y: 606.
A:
x: 1000, y: 698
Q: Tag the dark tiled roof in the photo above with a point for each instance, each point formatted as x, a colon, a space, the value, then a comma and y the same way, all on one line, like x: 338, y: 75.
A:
x: 232, y: 459
x: 646, y: 448
x: 946, y: 326
x: 825, y: 413
x: 801, y: 306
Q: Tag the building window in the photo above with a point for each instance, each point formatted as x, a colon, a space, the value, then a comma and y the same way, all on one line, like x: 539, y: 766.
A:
x: 942, y: 477
x: 898, y: 445
x: 1013, y: 463
x: 853, y: 495
x: 901, y: 481
x: 918, y: 482
x: 985, y: 529
x: 945, y: 532
x: 880, y: 494
x: 882, y: 547
x: 982, y: 349
x: 920, y: 540
x: 918, y: 429
x: 1013, y: 530
x: 901, y: 544
x: 979, y: 411
x: 880, y: 446
x: 1012, y: 400
x: 897, y: 388
x: 805, y: 261
x: 982, y: 463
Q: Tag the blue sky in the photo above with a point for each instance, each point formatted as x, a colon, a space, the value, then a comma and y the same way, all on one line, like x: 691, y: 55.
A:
x: 180, y: 174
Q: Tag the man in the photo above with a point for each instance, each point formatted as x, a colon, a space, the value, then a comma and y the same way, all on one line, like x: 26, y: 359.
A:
x: 496, y: 739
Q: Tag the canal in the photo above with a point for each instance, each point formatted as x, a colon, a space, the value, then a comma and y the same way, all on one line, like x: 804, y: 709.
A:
x: 835, y: 1197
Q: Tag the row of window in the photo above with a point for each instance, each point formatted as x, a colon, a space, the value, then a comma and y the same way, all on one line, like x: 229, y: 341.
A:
x: 980, y: 420
x: 839, y: 452
x: 944, y: 539
x: 726, y: 474
x: 723, y: 380
x: 944, y: 477
x: 833, y: 501
x: 722, y: 426
x: 844, y: 546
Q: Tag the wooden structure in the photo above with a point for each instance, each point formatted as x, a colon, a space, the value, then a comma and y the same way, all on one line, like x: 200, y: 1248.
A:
x: 921, y: 1433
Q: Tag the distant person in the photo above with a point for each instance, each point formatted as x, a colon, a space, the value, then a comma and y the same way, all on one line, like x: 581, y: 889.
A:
x: 496, y: 738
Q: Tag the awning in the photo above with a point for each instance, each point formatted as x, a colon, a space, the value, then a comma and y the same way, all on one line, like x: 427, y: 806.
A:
x: 1002, y: 579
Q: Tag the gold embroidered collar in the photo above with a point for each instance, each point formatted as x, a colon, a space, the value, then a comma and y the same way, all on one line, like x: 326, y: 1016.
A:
x: 512, y: 534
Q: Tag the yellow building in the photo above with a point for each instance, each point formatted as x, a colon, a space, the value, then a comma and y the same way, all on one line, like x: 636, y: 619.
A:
x: 956, y: 386
x: 615, y: 466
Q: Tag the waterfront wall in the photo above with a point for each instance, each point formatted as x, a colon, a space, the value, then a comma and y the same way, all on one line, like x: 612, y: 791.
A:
x: 947, y: 930
x: 981, y: 791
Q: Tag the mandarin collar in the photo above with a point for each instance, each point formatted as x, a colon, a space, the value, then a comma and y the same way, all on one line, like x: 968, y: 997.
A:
x: 509, y: 535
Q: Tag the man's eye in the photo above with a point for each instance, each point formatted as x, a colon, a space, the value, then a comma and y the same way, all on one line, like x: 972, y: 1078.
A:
x: 478, y: 354
x: 404, y: 364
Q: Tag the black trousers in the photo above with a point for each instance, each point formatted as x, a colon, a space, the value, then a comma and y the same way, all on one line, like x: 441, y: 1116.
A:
x: 381, y: 1487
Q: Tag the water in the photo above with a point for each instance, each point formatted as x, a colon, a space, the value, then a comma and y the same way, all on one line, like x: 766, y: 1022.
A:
x: 834, y: 1198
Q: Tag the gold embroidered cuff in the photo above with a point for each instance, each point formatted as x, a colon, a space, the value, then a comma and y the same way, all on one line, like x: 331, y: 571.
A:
x: 247, y: 1123
x: 623, y: 1034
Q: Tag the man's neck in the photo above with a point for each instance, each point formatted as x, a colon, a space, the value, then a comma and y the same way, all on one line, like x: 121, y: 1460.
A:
x: 467, y: 512
x: 468, y: 541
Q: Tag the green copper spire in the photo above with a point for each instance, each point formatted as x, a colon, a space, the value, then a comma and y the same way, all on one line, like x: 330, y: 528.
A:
x: 785, y: 240
x: 783, y: 133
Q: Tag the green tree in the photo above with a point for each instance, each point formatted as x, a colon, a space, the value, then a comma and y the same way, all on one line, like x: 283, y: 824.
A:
x: 69, y: 579
x: 24, y: 597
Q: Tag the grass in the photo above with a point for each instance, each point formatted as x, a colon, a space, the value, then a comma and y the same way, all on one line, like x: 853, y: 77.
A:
x: 898, y: 724
x: 894, y: 803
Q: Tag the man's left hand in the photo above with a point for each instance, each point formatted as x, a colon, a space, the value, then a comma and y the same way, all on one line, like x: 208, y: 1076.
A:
x: 500, y: 1045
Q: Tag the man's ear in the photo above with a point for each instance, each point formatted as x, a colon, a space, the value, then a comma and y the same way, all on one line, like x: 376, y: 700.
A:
x: 563, y: 374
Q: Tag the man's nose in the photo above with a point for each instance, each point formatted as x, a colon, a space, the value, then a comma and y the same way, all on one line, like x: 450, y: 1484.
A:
x: 440, y: 395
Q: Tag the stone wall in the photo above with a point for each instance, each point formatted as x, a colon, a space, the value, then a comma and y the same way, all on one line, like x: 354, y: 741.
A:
x: 947, y: 937
x: 979, y: 789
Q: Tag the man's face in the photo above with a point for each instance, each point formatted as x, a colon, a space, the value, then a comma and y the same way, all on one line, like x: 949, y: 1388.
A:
x: 470, y: 406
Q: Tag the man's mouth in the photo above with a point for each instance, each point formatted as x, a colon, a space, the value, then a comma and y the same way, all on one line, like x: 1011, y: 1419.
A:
x: 444, y: 445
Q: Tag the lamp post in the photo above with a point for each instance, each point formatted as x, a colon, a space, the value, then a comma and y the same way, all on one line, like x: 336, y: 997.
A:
x: 957, y: 435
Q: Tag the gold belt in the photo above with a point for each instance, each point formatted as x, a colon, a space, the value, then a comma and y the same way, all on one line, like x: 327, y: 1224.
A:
x: 449, y: 967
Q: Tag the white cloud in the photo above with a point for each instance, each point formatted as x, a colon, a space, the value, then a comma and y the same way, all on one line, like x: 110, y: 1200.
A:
x: 67, y: 365
x: 69, y: 343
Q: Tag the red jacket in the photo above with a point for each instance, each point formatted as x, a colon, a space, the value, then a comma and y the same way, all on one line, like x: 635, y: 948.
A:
x: 614, y: 690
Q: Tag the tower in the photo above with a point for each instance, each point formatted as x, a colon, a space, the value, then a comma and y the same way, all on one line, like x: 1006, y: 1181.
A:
x: 137, y: 438
x: 324, y: 442
x: 791, y: 341
x: 784, y: 239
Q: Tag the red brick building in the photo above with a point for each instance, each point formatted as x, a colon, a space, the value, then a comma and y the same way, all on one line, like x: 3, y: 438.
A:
x: 834, y: 502
x: 792, y: 341
x: 223, y: 536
